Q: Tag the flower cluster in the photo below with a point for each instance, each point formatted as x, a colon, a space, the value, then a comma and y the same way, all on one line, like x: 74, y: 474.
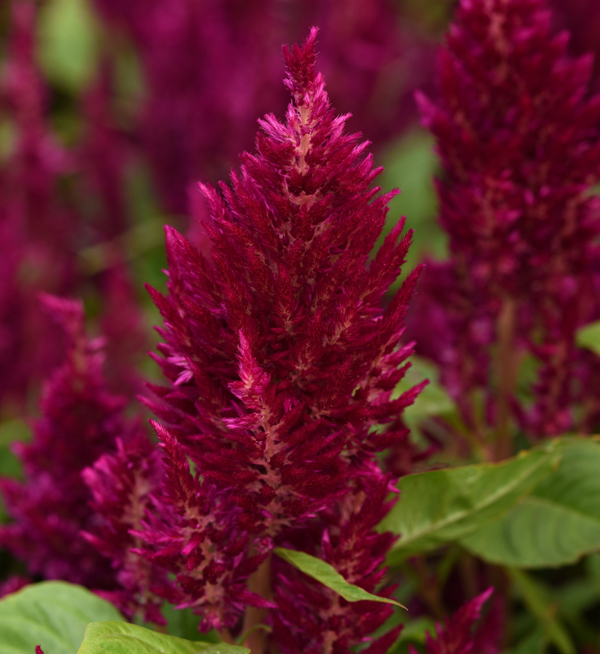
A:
x: 582, y: 20
x: 80, y: 422
x: 54, y: 201
x: 519, y: 159
x: 102, y: 159
x: 35, y: 228
x: 122, y: 484
x: 312, y: 619
x: 281, y: 361
x: 456, y: 636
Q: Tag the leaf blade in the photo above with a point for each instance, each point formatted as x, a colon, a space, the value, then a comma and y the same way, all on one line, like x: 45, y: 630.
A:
x: 555, y: 526
x: 329, y: 576
x: 53, y: 614
x: 446, y: 505
x: 125, y: 638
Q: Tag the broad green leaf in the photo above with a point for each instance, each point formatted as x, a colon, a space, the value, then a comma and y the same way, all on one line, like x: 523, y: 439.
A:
x: 554, y: 526
x: 53, y: 614
x: 589, y: 337
x: 539, y: 602
x: 328, y: 576
x: 446, y: 505
x: 124, y: 638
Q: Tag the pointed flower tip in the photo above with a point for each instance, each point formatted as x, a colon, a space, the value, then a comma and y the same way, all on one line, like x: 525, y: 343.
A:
x: 485, y: 596
x: 300, y: 62
x: 69, y: 314
x: 60, y: 306
x: 160, y: 430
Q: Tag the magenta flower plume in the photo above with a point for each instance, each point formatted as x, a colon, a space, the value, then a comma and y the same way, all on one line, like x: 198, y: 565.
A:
x: 582, y: 20
x: 104, y: 155
x: 80, y: 422
x: 519, y: 158
x: 46, y: 190
x: 457, y: 635
x: 281, y: 359
x: 102, y: 159
x: 36, y: 232
x: 122, y: 484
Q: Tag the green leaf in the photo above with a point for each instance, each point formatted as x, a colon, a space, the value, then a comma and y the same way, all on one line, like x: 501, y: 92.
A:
x: 329, y: 576
x: 556, y: 525
x: 10, y: 465
x: 412, y: 163
x: 589, y: 337
x: 413, y: 631
x: 52, y: 614
x: 441, y: 506
x: 124, y: 638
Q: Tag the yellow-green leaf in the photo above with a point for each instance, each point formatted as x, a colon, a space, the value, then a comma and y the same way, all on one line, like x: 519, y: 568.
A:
x: 329, y: 576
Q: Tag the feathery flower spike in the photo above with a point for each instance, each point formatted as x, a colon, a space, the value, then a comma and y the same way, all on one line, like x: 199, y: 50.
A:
x: 457, y: 635
x: 122, y: 485
x: 36, y: 227
x: 519, y: 160
x: 280, y: 361
x: 80, y: 422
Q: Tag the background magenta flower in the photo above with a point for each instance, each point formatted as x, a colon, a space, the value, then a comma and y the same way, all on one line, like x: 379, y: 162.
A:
x: 458, y: 635
x: 80, y: 422
x: 36, y: 229
x: 56, y: 201
x: 122, y: 483
x: 519, y: 159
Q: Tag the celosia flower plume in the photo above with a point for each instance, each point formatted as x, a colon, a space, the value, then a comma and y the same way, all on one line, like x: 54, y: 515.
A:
x: 80, y: 422
x: 55, y: 200
x: 36, y: 252
x: 281, y: 361
x: 458, y: 635
x: 122, y: 484
x: 519, y: 140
